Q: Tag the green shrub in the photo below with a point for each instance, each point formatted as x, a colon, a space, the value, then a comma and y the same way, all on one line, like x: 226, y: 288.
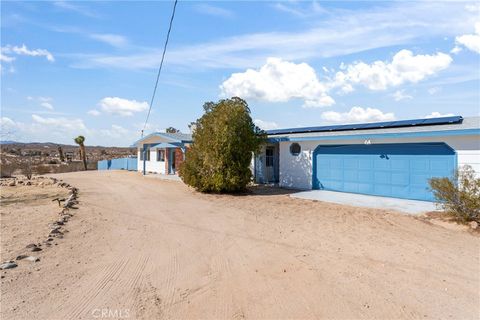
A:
x: 224, y: 141
x: 460, y: 195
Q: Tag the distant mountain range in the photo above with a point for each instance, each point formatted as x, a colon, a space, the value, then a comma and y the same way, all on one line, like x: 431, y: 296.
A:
x: 49, y: 145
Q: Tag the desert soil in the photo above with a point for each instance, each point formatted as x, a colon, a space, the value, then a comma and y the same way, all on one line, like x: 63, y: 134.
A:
x: 140, y: 248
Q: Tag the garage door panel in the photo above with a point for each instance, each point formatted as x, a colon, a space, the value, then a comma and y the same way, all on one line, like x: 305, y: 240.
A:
x: 350, y: 175
x: 396, y: 170
x: 350, y: 163
x: 365, y: 164
x: 365, y: 176
x: 399, y: 164
x: 380, y: 163
x: 401, y: 191
x: 419, y: 165
x: 383, y: 189
x: 382, y: 177
x: 400, y: 178
x: 350, y: 187
x: 365, y: 188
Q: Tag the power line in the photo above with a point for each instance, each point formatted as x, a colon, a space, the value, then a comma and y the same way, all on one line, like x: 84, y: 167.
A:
x: 161, y: 64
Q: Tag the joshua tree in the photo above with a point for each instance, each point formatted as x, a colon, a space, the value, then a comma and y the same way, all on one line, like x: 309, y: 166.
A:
x: 60, y: 154
x: 80, y: 140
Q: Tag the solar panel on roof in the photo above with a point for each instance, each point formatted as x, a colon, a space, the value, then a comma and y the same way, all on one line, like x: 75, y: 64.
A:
x: 454, y: 119
x: 375, y: 125
x: 402, y: 123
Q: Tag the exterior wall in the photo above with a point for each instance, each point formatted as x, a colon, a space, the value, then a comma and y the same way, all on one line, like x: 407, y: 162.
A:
x: 296, y: 171
x: 153, y: 165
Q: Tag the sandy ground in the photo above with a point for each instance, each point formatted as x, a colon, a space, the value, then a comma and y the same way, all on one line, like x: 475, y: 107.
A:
x: 149, y: 249
x: 25, y: 214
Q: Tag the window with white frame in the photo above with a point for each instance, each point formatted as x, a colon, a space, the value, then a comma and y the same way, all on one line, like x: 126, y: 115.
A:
x: 160, y: 155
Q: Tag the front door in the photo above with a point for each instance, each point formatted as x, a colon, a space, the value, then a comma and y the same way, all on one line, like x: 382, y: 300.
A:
x: 171, y: 161
x: 269, y: 164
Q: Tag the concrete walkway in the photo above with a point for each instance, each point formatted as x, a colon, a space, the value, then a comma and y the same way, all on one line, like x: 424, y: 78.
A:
x: 359, y: 200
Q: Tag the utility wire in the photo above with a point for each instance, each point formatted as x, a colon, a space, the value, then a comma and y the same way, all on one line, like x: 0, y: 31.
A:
x: 161, y: 64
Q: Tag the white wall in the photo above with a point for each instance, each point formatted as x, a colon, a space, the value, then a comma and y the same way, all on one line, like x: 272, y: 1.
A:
x: 296, y: 171
x: 153, y: 165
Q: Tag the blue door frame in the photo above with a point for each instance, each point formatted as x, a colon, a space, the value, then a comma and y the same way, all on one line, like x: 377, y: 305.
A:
x: 392, y: 170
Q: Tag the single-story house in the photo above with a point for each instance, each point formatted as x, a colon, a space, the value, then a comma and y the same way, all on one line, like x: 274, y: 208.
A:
x: 163, y: 152
x: 393, y: 159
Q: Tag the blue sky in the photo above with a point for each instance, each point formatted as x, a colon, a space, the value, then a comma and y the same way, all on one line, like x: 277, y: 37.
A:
x: 87, y: 67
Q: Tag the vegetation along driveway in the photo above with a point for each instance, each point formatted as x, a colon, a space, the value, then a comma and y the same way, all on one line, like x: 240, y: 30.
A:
x: 148, y: 248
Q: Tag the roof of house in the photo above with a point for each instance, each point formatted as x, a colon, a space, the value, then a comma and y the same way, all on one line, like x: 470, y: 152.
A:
x: 163, y: 145
x: 422, y: 126
x: 171, y: 137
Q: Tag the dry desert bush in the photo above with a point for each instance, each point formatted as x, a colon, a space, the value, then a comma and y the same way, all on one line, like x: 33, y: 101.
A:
x: 459, y: 195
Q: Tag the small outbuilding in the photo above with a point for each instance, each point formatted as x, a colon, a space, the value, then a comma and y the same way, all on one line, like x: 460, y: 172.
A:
x: 392, y: 159
x: 161, y: 152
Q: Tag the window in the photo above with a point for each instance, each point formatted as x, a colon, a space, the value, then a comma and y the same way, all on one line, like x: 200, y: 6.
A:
x: 161, y: 155
x: 269, y: 157
x: 147, y: 152
x: 295, y: 149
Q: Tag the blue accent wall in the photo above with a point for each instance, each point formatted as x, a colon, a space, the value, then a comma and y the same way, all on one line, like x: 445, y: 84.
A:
x: 391, y: 170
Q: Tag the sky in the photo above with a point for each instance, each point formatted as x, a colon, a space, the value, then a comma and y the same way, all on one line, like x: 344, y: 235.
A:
x: 72, y: 68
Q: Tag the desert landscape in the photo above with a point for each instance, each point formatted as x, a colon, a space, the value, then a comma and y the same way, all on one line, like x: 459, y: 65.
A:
x: 147, y: 248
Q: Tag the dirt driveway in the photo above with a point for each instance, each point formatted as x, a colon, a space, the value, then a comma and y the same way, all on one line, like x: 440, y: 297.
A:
x: 147, y: 248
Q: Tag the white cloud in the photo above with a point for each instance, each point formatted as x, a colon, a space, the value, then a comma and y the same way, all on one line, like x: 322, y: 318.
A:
x: 400, y: 95
x: 299, y: 10
x: 469, y: 41
x: 279, y: 81
x: 68, y: 5
x: 60, y: 124
x: 47, y: 105
x: 5, y: 58
x: 111, y: 39
x: 213, y: 10
x: 339, y: 32
x: 433, y: 90
x: 122, y: 107
x: 6, y: 122
x: 438, y: 115
x: 265, y: 125
x: 45, y: 99
x: 357, y: 115
x: 23, y: 50
x: 93, y: 112
x: 116, y: 131
x: 7, y: 128
x: 404, y: 67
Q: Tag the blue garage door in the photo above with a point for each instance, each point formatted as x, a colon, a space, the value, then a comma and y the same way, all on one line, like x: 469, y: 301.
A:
x: 391, y: 170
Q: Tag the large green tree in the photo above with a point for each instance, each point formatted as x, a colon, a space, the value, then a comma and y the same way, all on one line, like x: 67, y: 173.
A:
x: 224, y: 140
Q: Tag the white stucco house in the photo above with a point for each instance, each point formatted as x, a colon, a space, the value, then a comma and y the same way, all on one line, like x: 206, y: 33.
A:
x: 393, y: 159
x: 163, y: 152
